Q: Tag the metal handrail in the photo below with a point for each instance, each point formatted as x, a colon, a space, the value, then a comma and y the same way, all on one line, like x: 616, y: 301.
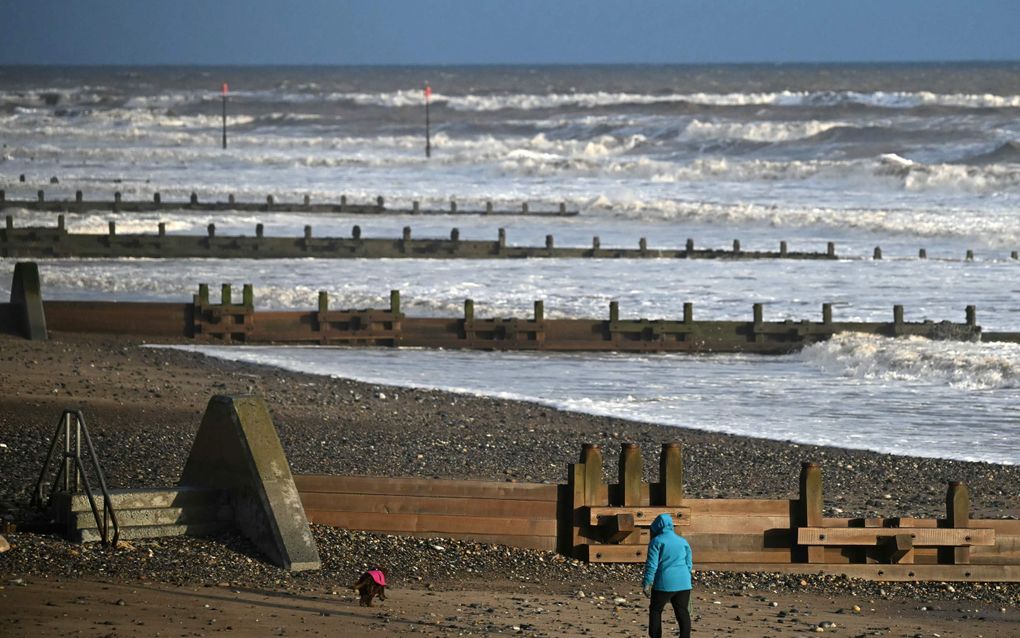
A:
x: 73, y: 459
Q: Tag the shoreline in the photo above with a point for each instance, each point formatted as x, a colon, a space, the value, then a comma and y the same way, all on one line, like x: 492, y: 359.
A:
x: 143, y: 406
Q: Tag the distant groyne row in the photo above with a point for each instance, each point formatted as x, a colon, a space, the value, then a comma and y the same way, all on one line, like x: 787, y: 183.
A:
x: 120, y: 205
x: 57, y: 242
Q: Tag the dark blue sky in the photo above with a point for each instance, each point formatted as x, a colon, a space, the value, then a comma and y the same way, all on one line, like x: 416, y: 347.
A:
x: 505, y: 31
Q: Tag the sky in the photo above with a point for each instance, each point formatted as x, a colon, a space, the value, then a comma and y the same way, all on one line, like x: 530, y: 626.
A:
x: 431, y: 32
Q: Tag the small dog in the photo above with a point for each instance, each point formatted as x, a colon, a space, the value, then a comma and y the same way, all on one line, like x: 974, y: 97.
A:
x: 371, y: 584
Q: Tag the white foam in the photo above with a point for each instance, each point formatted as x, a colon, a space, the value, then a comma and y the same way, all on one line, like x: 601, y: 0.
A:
x: 973, y: 366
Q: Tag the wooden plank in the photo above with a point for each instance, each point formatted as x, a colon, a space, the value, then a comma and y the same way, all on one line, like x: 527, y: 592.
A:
x: 618, y: 528
x: 698, y: 524
x: 400, y: 523
x: 738, y: 506
x: 924, y: 537
x: 638, y: 553
x: 401, y: 504
x: 424, y: 487
x: 643, y: 516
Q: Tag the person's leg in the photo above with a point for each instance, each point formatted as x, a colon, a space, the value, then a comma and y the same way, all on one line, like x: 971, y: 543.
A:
x: 655, y: 607
x: 680, y: 601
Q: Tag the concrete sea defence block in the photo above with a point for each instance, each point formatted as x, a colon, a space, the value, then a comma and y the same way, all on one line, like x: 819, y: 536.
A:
x: 237, y: 449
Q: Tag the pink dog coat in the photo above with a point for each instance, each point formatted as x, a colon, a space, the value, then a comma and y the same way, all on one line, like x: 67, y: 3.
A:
x: 378, y: 577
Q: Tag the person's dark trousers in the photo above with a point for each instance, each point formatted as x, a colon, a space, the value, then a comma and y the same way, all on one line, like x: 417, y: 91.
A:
x: 679, y: 600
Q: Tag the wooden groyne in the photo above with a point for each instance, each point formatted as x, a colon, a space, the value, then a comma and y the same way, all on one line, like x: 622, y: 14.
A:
x: 120, y: 205
x: 593, y: 521
x: 237, y: 321
x: 57, y: 242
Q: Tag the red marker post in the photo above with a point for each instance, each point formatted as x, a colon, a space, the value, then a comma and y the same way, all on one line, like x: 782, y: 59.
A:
x: 428, y: 142
x: 225, y: 89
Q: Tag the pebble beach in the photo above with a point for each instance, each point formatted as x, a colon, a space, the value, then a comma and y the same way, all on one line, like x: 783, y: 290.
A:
x: 144, y: 404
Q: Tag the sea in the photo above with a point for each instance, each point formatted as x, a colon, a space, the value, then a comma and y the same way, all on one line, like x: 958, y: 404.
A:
x: 901, y: 157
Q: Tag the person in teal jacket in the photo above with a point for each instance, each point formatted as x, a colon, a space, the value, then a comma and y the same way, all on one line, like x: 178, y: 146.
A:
x: 667, y: 576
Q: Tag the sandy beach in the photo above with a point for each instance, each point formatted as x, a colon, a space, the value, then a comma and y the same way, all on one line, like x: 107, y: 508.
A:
x: 144, y: 404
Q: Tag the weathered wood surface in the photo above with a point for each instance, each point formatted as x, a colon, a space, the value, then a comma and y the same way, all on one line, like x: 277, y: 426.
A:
x: 47, y: 242
x: 923, y: 537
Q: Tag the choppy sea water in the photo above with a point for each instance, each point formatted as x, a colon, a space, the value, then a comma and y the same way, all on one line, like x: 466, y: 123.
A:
x: 902, y: 157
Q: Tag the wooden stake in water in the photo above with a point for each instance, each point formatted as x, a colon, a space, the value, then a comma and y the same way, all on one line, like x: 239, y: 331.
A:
x: 224, y: 90
x: 428, y: 137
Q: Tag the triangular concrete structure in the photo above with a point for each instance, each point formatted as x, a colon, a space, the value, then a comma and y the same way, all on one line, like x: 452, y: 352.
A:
x: 237, y: 450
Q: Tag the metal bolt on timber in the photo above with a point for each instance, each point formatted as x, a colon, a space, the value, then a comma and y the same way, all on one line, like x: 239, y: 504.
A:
x: 488, y: 208
x: 539, y: 310
x: 259, y: 231
x: 113, y: 228
x: 549, y: 242
x: 78, y: 197
x: 323, y: 301
x: 591, y: 457
x: 308, y: 232
x: 830, y: 249
x: 630, y: 472
x: 688, y: 312
x: 453, y: 206
x: 878, y: 253
x: 736, y: 245
x: 524, y: 207
x: 671, y: 475
x: 809, y: 506
x: 782, y: 248
x: 356, y: 232
x: 248, y: 296
x: 162, y: 229
x: 415, y: 207
x: 194, y: 199
x: 41, y: 196
x: 957, y: 516
x: 689, y: 247
x: 922, y: 254
x: 211, y: 230
x: 971, y: 313
x: 826, y: 313
x: 595, y: 243
x: 156, y: 198
x: 455, y: 234
x: 395, y: 302
x: 970, y: 255
x: 225, y: 296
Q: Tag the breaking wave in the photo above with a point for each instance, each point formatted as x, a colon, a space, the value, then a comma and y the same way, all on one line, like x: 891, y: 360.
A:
x: 972, y: 366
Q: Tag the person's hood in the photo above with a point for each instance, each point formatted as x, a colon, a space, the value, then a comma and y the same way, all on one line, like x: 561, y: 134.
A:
x: 661, y: 523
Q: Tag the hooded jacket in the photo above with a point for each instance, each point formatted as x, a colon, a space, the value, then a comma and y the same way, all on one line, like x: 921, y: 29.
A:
x: 668, y: 566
